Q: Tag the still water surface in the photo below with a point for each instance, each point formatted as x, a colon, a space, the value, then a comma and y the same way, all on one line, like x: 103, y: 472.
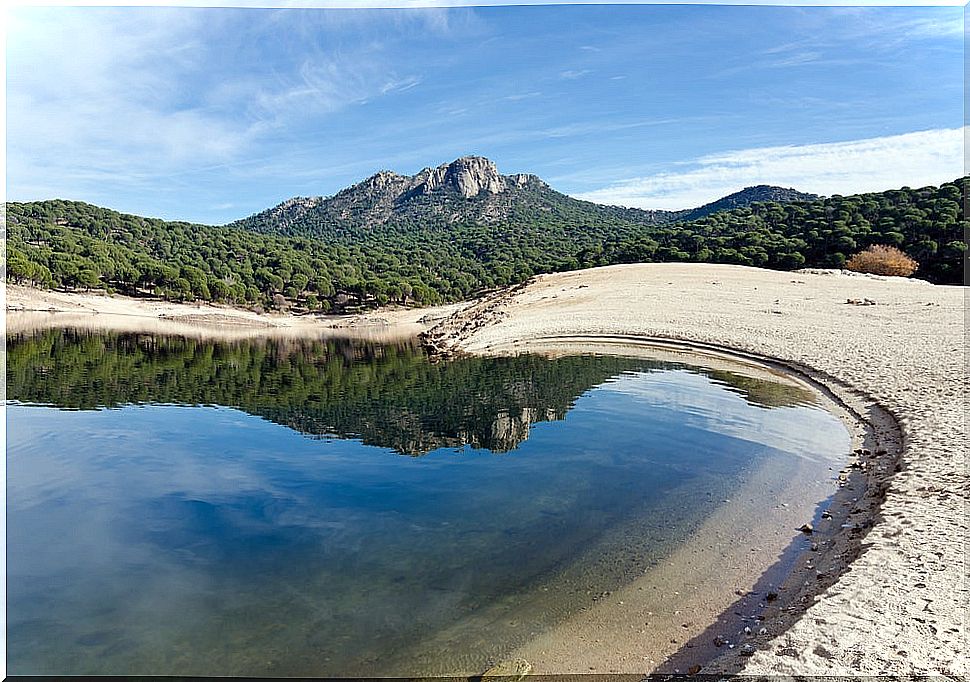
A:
x: 335, y: 507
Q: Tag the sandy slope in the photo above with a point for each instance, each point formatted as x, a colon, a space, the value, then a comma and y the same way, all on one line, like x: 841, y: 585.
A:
x: 901, y: 606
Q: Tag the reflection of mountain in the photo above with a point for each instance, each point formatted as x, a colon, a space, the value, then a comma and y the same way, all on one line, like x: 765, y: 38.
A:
x: 385, y: 395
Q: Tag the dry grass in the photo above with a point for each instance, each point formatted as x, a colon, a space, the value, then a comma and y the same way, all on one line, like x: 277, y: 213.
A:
x: 883, y: 260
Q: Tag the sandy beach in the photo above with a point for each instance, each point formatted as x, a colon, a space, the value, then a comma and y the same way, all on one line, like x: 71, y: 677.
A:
x: 896, y: 349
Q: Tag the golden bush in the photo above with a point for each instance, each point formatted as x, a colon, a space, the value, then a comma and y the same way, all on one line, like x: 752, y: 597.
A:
x: 880, y: 259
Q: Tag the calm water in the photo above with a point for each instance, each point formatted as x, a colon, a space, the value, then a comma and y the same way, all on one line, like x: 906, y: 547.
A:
x: 343, y: 508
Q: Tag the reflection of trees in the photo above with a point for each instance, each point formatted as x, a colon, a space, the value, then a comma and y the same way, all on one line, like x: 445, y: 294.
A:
x: 387, y: 395
x: 760, y: 392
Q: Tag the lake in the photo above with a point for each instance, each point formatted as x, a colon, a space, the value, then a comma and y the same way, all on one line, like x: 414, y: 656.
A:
x: 335, y: 507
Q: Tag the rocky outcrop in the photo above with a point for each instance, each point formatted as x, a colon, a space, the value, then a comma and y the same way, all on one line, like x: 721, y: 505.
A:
x: 468, y: 176
x: 487, y: 195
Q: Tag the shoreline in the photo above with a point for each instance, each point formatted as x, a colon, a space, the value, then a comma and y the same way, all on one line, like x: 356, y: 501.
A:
x: 899, y: 578
x: 896, y: 608
x: 668, y: 574
x: 29, y: 309
x: 840, y: 523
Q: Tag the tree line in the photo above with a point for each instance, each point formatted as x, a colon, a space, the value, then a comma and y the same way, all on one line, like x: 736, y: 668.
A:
x: 74, y: 245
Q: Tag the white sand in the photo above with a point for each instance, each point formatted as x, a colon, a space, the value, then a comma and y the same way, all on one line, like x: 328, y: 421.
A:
x: 901, y: 606
x: 29, y: 309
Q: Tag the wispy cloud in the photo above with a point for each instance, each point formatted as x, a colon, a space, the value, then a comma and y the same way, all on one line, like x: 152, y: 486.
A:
x: 106, y: 97
x: 573, y: 74
x: 914, y: 159
x: 600, y: 127
x: 103, y: 94
x: 521, y: 96
x: 400, y: 85
x: 796, y: 59
x: 871, y: 24
x: 949, y: 27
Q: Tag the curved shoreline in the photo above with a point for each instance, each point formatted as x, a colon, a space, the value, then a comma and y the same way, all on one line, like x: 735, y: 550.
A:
x: 876, y: 444
x: 897, y: 607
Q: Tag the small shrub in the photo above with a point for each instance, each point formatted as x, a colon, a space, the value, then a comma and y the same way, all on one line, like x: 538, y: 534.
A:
x: 883, y: 260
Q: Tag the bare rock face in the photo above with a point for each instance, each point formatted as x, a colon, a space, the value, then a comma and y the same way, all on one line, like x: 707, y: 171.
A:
x: 293, y: 209
x: 383, y: 180
x: 521, y: 179
x: 469, y: 176
x: 472, y: 175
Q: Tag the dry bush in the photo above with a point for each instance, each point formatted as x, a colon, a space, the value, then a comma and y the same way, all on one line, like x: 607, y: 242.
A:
x: 883, y: 260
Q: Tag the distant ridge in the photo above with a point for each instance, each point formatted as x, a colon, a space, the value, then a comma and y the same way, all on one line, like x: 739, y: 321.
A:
x: 748, y: 196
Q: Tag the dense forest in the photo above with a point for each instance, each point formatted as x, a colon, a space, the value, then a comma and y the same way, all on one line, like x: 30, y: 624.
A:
x: 405, y: 260
x: 388, y: 395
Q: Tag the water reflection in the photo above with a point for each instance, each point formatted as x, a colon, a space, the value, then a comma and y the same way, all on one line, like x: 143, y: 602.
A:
x: 162, y: 538
x: 386, y: 395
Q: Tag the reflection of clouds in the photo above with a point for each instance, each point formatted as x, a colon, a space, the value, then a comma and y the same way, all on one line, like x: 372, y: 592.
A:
x: 166, y: 523
x: 803, y: 431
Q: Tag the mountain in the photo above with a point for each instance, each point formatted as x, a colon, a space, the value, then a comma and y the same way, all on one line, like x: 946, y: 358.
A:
x: 746, y: 197
x: 470, y: 190
x: 467, y: 190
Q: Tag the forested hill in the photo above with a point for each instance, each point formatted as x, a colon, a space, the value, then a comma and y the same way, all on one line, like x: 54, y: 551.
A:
x: 467, y: 190
x: 77, y: 245
x: 746, y: 197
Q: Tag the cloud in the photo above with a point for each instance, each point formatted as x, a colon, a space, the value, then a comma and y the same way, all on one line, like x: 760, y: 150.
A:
x: 873, y: 24
x: 572, y: 75
x: 599, y: 127
x: 518, y: 97
x: 797, y: 59
x: 77, y: 81
x: 912, y: 159
x: 102, y: 98
x: 400, y: 84
x: 934, y: 27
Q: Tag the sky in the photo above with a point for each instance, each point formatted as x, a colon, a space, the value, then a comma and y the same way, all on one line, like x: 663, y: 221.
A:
x: 212, y: 114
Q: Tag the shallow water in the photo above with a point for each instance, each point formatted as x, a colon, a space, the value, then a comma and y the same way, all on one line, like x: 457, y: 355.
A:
x: 341, y: 508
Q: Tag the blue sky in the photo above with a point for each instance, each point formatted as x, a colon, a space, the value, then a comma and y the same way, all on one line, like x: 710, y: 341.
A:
x: 213, y: 114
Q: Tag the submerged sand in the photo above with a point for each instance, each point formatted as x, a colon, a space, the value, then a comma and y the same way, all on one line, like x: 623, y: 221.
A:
x: 900, y: 606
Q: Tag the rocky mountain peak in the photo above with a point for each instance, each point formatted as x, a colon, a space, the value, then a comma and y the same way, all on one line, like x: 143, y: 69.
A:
x: 469, y: 176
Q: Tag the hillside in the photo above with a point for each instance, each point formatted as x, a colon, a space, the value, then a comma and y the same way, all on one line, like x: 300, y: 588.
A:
x: 450, y: 233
